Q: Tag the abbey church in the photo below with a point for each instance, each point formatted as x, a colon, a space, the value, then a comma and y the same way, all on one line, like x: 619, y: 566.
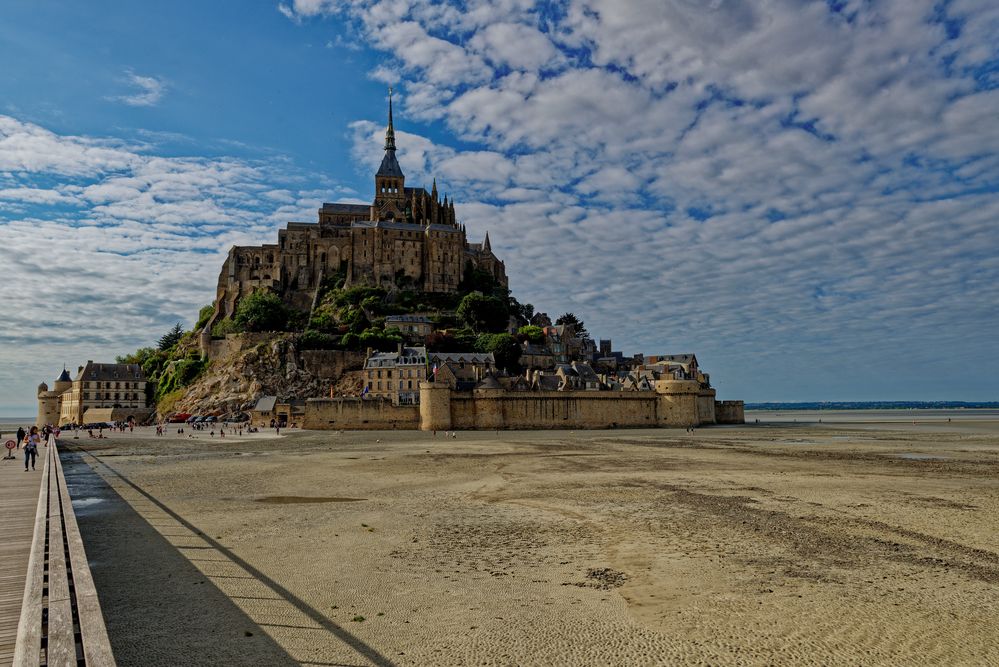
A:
x: 406, y: 237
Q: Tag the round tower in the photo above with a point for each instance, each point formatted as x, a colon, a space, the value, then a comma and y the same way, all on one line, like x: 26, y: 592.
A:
x: 64, y: 382
x: 435, y: 406
x: 48, y: 406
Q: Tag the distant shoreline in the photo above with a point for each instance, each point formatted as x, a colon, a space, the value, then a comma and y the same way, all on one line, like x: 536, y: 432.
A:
x: 872, y: 405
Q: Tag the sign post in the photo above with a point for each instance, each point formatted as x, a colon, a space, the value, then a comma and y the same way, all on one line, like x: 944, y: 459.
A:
x: 10, y: 445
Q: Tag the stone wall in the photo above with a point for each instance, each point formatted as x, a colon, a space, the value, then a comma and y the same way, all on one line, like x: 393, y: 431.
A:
x: 676, y: 403
x: 359, y: 414
x: 673, y: 403
x: 730, y: 412
x: 218, y: 348
x: 491, y: 409
x: 328, y: 364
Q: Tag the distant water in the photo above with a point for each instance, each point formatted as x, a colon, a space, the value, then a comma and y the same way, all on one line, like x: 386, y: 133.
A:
x: 873, y: 416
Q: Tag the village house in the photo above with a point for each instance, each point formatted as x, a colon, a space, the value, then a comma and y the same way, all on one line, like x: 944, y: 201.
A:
x: 100, y: 392
x: 411, y: 326
x: 465, y: 365
x: 396, y: 376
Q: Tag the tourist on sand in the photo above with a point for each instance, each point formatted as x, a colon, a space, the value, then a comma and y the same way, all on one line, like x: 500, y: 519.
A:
x: 31, y: 448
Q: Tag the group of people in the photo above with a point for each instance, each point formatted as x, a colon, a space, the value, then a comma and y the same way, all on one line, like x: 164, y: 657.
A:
x: 29, y: 441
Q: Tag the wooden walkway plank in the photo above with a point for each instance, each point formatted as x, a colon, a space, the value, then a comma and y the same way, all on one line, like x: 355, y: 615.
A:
x: 61, y: 647
x: 60, y: 621
x: 22, y: 552
x: 93, y: 631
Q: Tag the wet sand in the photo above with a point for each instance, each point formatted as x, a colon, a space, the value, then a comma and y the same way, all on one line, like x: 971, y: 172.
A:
x: 785, y: 544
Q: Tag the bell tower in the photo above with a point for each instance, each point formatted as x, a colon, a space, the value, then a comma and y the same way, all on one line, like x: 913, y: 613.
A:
x: 390, y: 183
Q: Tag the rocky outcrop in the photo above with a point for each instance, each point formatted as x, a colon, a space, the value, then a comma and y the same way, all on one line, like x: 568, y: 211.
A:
x: 243, y: 370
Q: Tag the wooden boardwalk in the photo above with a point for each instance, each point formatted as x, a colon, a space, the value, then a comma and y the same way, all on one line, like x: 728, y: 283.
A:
x: 18, y: 502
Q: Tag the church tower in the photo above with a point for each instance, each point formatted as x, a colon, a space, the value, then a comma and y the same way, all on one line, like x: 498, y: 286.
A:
x: 390, y: 183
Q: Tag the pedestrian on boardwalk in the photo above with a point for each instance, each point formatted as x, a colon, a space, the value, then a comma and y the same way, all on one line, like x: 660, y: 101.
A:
x: 20, y: 435
x: 31, y: 448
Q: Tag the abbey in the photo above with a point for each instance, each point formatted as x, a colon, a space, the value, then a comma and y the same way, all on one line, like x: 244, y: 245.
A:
x: 407, y: 237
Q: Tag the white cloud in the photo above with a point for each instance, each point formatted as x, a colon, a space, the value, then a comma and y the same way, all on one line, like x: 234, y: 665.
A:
x: 727, y: 177
x: 149, y: 91
x: 126, y: 245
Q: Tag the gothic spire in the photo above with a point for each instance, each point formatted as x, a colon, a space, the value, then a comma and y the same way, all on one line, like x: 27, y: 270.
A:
x: 485, y: 244
x: 390, y: 131
x: 390, y: 166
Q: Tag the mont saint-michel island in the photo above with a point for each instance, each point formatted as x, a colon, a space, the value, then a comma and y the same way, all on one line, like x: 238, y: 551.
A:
x: 402, y: 324
x: 586, y: 334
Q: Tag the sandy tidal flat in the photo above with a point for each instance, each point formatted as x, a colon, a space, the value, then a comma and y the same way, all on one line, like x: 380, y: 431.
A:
x: 782, y: 544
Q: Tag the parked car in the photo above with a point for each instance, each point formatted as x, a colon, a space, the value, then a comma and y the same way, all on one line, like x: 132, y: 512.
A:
x: 194, y: 418
x: 179, y: 418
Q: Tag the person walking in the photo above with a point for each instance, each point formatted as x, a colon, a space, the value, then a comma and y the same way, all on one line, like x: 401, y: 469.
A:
x: 20, y: 435
x: 31, y: 448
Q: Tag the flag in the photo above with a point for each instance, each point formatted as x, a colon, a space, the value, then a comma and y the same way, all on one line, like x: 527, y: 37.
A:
x: 365, y: 390
x: 435, y: 371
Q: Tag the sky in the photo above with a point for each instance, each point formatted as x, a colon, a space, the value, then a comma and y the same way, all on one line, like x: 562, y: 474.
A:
x: 804, y: 194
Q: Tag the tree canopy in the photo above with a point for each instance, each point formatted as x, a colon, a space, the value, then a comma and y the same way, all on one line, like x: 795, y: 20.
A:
x: 577, y: 324
x: 261, y: 311
x: 171, y: 338
x: 483, y: 313
x: 505, y: 349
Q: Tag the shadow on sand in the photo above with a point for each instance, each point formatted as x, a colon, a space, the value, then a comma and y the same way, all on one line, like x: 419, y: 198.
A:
x: 160, y: 609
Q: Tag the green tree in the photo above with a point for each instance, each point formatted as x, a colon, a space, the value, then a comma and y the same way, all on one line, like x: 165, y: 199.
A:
x: 261, y: 311
x: 203, y: 316
x: 505, y: 349
x: 483, y: 313
x: 380, y: 339
x: 532, y: 333
x: 171, y: 338
x: 577, y: 324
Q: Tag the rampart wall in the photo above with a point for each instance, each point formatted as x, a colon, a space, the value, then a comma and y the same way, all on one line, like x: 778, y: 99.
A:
x: 730, y: 412
x: 676, y: 403
x: 359, y: 414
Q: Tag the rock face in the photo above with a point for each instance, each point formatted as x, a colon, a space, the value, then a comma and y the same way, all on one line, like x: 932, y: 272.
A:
x: 246, y: 368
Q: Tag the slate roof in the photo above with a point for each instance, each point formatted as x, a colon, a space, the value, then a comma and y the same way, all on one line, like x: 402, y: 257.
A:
x: 265, y: 404
x: 585, y: 372
x: 411, y: 356
x: 467, y: 357
x: 549, y: 382
x: 105, y: 372
x: 338, y: 207
x: 489, y: 382
x: 389, y: 166
x: 413, y: 319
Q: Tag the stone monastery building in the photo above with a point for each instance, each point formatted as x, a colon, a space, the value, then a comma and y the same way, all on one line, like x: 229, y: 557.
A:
x: 407, y: 237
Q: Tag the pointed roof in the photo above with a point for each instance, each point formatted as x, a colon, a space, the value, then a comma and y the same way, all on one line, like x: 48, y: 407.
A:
x: 485, y: 244
x: 390, y: 166
x: 65, y: 376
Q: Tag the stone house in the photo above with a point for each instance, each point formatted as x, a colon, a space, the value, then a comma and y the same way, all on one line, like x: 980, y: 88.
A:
x: 466, y: 366
x: 396, y: 376
x: 118, y: 391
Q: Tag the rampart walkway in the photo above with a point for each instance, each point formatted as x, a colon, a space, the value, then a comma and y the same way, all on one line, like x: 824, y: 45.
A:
x: 49, y: 611
x: 18, y: 501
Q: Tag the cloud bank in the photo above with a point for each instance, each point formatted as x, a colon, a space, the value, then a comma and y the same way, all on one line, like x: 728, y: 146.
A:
x: 803, y: 193
x: 106, y: 245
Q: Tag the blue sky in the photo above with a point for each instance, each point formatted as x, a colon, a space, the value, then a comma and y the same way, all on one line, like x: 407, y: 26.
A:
x: 802, y: 193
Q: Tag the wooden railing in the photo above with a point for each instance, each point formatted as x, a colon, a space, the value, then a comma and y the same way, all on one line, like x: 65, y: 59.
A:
x: 61, y: 622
